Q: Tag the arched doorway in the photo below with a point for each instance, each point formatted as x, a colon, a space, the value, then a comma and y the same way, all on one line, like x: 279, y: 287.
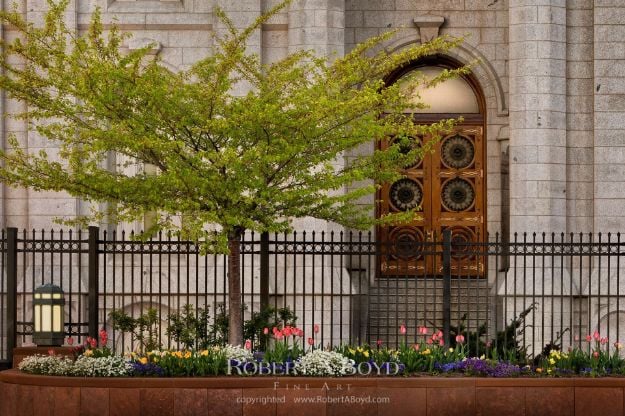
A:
x: 448, y: 184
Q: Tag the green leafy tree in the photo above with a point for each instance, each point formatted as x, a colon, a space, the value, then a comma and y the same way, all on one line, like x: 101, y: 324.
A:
x: 191, y: 151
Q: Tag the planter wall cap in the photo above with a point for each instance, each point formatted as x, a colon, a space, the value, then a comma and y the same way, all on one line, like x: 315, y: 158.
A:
x: 15, y: 376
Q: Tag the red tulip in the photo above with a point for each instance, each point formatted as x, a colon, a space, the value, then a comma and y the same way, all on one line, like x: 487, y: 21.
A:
x: 379, y: 342
x: 70, y: 341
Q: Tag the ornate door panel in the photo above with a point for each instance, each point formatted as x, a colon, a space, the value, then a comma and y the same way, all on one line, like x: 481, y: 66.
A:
x: 449, y: 186
x: 400, y: 243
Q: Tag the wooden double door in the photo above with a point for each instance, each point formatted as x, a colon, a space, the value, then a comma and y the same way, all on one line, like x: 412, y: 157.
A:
x: 448, y: 184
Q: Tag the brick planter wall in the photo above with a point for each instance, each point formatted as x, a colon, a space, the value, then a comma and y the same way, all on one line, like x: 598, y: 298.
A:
x: 23, y: 394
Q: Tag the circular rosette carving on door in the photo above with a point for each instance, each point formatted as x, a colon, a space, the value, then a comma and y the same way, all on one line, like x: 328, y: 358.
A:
x: 406, y: 243
x: 405, y: 194
x: 458, y: 195
x: 457, y: 152
x: 461, y: 239
x: 407, y: 144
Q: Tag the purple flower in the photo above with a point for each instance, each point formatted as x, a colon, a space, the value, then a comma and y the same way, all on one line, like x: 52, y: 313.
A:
x: 146, y: 370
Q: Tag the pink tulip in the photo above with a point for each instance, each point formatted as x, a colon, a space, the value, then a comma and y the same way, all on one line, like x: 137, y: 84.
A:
x: 316, y: 329
x: 596, y: 336
x: 429, y: 341
x: 265, y: 331
x: 248, y: 344
x: 92, y: 342
x: 439, y: 334
x: 588, y: 338
x: 604, y: 341
x: 423, y: 330
x: 402, y: 329
x: 379, y: 342
x: 311, y: 341
x: 441, y: 342
x: 103, y: 337
x: 416, y: 347
x: 70, y: 341
x: 460, y: 339
x: 595, y: 354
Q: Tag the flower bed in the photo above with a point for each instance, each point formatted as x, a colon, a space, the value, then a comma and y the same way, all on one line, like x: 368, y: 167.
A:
x: 301, y: 378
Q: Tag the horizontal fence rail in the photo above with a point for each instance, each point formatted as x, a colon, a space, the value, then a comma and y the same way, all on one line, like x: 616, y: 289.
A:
x: 529, y: 293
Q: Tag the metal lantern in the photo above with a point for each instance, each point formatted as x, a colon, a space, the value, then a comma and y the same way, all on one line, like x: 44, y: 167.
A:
x: 49, y: 313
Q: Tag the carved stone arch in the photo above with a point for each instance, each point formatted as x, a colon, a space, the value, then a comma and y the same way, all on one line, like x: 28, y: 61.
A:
x: 483, y: 70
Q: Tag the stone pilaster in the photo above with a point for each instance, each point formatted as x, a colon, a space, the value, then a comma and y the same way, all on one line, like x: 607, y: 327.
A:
x: 538, y: 116
x: 609, y: 116
x: 579, y: 117
x: 318, y: 25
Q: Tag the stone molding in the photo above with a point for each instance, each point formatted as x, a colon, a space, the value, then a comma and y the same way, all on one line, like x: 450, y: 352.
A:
x: 429, y: 26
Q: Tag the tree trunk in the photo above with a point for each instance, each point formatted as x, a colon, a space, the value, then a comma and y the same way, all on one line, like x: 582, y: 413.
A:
x: 235, y: 322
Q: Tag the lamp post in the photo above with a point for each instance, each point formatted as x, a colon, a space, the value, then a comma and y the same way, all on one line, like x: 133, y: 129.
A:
x: 49, y: 314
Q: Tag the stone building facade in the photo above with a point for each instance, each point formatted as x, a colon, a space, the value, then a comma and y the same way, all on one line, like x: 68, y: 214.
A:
x: 550, y: 76
x: 550, y: 72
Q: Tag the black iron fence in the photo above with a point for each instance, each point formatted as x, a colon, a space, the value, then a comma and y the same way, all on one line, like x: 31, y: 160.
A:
x: 353, y: 288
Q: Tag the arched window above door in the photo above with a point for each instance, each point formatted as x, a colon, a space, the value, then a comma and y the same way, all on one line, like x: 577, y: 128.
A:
x: 454, y: 95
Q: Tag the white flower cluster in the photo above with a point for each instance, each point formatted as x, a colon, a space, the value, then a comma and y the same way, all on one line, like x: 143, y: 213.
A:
x: 238, y: 353
x: 324, y: 363
x: 56, y: 365
x: 113, y: 366
x: 53, y: 365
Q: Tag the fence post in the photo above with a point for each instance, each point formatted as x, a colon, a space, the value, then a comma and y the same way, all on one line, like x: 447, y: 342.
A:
x: 11, y: 273
x: 446, y: 284
x: 94, y: 307
x: 264, y: 270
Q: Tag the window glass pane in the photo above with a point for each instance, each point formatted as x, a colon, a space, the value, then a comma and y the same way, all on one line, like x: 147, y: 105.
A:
x: 452, y: 96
